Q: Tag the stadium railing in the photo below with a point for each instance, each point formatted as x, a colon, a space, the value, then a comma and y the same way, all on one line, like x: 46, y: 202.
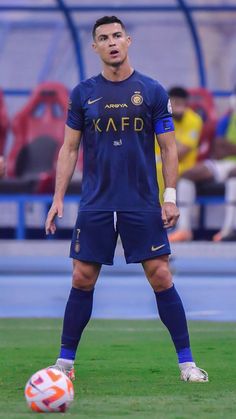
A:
x: 22, y: 200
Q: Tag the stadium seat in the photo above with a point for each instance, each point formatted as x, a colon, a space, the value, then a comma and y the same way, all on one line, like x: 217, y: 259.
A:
x: 38, y: 132
x: 4, y: 123
x: 201, y: 101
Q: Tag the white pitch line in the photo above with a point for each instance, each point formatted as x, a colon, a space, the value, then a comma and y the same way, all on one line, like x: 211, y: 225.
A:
x: 203, y: 313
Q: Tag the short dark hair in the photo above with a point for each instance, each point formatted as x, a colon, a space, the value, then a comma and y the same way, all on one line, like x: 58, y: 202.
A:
x: 104, y: 20
x: 178, y: 91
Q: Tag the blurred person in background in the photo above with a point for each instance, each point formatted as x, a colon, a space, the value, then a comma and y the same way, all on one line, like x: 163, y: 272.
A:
x: 228, y: 131
x: 221, y: 168
x: 188, y: 127
x: 118, y: 112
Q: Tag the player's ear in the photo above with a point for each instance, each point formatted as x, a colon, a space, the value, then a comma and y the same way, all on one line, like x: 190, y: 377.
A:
x: 129, y: 40
x: 94, y: 46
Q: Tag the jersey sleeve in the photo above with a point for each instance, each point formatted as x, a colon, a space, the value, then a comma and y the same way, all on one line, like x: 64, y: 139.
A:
x: 75, y: 117
x: 162, y: 112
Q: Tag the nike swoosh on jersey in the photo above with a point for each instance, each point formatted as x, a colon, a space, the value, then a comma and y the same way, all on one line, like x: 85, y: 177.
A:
x: 90, y: 102
x: 154, y: 248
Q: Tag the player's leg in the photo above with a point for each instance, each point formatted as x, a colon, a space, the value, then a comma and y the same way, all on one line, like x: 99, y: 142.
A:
x: 169, y: 305
x: 78, y: 312
x: 93, y: 244
x: 172, y: 314
x: 145, y: 240
x: 186, y: 195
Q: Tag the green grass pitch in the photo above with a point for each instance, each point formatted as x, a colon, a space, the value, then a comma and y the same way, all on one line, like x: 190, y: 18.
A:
x: 124, y: 369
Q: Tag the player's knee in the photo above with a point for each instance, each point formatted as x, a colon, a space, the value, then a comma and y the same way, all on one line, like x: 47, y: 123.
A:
x: 160, y: 278
x: 83, y: 280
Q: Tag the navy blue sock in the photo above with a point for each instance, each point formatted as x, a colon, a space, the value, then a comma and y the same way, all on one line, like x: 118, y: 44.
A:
x: 172, y: 314
x: 77, y: 314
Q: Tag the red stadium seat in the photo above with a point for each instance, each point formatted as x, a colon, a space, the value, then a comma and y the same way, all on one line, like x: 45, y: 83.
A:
x: 201, y: 101
x: 38, y: 131
x: 4, y: 123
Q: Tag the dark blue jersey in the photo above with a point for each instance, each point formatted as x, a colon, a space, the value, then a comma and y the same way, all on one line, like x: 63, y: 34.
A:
x: 118, y: 121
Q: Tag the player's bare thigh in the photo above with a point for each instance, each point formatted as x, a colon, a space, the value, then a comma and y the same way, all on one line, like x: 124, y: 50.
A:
x: 85, y: 274
x: 198, y: 173
x: 158, y: 272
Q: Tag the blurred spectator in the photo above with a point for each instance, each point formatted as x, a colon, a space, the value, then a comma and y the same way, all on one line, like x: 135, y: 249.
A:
x: 188, y: 126
x: 227, y: 232
x: 220, y: 168
x: 202, y: 102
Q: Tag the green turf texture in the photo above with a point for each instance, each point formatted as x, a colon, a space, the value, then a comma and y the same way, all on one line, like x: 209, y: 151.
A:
x: 124, y: 369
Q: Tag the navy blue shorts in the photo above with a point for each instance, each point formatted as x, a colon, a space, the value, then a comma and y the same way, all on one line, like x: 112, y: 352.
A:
x: 95, y: 236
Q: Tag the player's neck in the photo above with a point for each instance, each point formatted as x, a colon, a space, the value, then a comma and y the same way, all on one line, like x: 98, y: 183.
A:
x: 117, y: 73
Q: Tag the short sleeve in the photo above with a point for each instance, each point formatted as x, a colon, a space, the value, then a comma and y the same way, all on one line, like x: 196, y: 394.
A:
x: 162, y: 112
x: 222, y: 126
x: 75, y: 118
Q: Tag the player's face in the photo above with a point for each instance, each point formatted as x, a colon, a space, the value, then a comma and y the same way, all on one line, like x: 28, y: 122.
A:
x: 179, y: 106
x: 111, y: 43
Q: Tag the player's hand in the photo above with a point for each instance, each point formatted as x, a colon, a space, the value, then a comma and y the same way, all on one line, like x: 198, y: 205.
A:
x: 170, y: 214
x: 56, y: 210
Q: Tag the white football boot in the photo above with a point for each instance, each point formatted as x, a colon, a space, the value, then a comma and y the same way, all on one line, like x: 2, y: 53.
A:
x: 190, y: 372
x: 67, y: 368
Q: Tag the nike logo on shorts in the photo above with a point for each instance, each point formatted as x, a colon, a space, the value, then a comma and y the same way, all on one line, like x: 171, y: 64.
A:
x: 90, y: 102
x: 154, y: 248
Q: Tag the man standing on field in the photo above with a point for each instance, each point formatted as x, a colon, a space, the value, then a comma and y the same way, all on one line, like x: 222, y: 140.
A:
x: 118, y: 114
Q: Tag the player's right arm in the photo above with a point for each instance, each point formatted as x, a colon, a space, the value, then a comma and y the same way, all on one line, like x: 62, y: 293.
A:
x: 66, y: 162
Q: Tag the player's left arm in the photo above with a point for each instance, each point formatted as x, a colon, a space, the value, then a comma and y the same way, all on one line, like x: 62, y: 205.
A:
x: 169, y: 157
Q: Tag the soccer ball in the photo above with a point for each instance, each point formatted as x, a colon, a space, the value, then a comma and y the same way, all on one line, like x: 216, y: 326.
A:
x: 49, y: 390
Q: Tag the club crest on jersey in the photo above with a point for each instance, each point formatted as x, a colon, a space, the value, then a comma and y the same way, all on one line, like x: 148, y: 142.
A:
x: 137, y: 99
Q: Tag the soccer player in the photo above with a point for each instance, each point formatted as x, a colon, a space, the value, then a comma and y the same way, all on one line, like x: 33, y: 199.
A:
x: 117, y: 113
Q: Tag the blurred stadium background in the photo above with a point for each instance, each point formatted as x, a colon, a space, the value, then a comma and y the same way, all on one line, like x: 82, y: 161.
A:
x: 45, y: 50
